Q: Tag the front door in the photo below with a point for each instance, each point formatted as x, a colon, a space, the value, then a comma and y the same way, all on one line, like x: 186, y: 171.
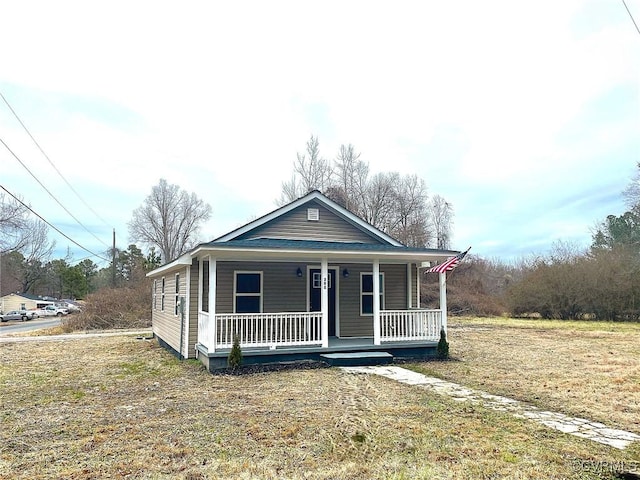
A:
x: 315, y: 296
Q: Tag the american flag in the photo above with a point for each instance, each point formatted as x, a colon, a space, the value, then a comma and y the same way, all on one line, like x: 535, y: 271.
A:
x: 450, y: 264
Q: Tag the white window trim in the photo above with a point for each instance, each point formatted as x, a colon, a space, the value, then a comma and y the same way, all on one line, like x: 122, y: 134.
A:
x: 155, y: 294
x: 382, y: 290
x: 176, y: 289
x: 236, y: 294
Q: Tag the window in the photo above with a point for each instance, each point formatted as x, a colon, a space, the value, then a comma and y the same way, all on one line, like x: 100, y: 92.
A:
x: 313, y: 214
x: 176, y: 308
x: 204, y: 293
x: 162, y: 296
x: 366, y: 293
x: 247, y: 292
x: 317, y: 280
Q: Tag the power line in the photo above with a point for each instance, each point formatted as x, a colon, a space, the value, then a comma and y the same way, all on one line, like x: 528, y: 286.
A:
x: 51, y: 194
x: 52, y: 226
x: 50, y: 162
x: 631, y: 16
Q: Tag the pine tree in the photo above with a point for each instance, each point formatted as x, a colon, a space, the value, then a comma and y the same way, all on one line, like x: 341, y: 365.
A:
x: 442, y: 351
x: 234, y: 360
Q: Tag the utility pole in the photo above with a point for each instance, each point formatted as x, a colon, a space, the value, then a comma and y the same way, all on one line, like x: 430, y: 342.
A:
x: 113, y: 260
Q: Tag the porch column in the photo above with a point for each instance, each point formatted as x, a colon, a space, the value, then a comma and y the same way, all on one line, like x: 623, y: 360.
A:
x: 212, y: 305
x: 376, y: 302
x: 324, y: 301
x: 443, y: 300
x: 418, y: 286
x: 409, y: 290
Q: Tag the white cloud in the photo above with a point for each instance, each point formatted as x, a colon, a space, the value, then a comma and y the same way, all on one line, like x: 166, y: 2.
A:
x: 218, y: 97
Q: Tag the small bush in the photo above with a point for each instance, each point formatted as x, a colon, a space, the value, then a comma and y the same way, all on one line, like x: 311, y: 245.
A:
x: 442, y: 351
x: 234, y: 360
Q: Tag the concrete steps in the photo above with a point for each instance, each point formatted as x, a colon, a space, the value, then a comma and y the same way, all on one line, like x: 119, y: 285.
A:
x: 359, y: 359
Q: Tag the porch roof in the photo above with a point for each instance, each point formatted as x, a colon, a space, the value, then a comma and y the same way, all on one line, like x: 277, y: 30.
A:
x: 299, y: 250
x: 288, y: 244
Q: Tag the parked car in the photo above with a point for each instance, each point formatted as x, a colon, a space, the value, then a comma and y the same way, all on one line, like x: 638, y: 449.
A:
x: 52, y: 310
x: 22, y: 315
x: 70, y: 306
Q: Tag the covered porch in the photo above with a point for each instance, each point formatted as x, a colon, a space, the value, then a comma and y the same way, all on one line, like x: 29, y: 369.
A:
x: 391, y: 324
x: 271, y: 331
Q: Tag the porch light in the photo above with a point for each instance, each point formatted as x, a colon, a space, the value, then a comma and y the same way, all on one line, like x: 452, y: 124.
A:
x: 345, y: 273
x: 299, y: 272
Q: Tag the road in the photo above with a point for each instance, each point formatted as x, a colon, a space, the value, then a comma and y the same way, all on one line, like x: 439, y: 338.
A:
x: 28, y: 326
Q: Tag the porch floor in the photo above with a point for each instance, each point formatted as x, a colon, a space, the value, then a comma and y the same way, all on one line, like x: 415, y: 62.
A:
x: 421, y: 349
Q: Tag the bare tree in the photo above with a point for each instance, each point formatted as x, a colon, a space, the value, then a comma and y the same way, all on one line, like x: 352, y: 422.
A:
x: 169, y: 219
x: 441, y: 215
x: 14, y: 224
x: 310, y: 172
x: 24, y: 243
x: 410, y: 212
x: 395, y: 204
x: 351, y: 175
x: 378, y: 207
x: 36, y: 254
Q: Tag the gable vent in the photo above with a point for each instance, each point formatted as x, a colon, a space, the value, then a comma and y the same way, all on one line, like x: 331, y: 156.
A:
x: 313, y: 214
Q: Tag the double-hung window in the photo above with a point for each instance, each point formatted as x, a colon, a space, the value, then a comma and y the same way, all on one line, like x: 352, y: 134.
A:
x: 162, y: 296
x: 176, y: 308
x: 366, y: 293
x: 247, y: 292
x: 155, y: 294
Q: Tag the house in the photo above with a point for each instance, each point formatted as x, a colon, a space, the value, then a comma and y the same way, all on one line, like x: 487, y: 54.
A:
x: 22, y: 301
x: 308, y: 279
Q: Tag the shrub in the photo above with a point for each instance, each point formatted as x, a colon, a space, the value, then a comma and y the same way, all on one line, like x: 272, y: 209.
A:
x: 109, y: 308
x: 234, y: 360
x: 442, y: 350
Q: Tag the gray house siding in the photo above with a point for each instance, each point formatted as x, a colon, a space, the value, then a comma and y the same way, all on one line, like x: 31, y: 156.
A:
x: 294, y: 225
x: 415, y: 300
x: 192, y: 318
x: 282, y: 289
x: 166, y: 324
x: 352, y: 323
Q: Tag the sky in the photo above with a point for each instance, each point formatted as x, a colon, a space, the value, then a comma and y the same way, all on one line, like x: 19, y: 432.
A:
x: 525, y: 116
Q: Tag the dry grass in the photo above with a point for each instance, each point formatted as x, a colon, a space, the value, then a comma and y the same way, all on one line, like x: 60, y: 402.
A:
x: 116, y: 407
x: 586, y: 369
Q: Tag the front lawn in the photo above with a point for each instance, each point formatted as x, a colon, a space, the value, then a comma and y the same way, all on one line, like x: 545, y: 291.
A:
x: 117, y: 407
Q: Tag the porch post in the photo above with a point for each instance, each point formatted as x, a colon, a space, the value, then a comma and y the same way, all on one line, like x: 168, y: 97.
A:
x: 418, y: 286
x: 443, y: 300
x: 324, y: 301
x: 376, y: 302
x: 409, y: 290
x: 200, y: 275
x: 212, y: 304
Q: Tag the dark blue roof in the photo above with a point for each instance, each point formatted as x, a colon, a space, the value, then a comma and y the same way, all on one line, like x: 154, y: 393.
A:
x: 286, y: 244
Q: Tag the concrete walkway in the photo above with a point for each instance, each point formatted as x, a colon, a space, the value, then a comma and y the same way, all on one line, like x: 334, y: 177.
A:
x: 579, y: 427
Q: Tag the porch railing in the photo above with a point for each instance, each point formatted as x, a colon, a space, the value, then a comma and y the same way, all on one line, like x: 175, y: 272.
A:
x: 407, y: 325
x: 269, y: 329
x: 305, y: 328
x: 203, y: 329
